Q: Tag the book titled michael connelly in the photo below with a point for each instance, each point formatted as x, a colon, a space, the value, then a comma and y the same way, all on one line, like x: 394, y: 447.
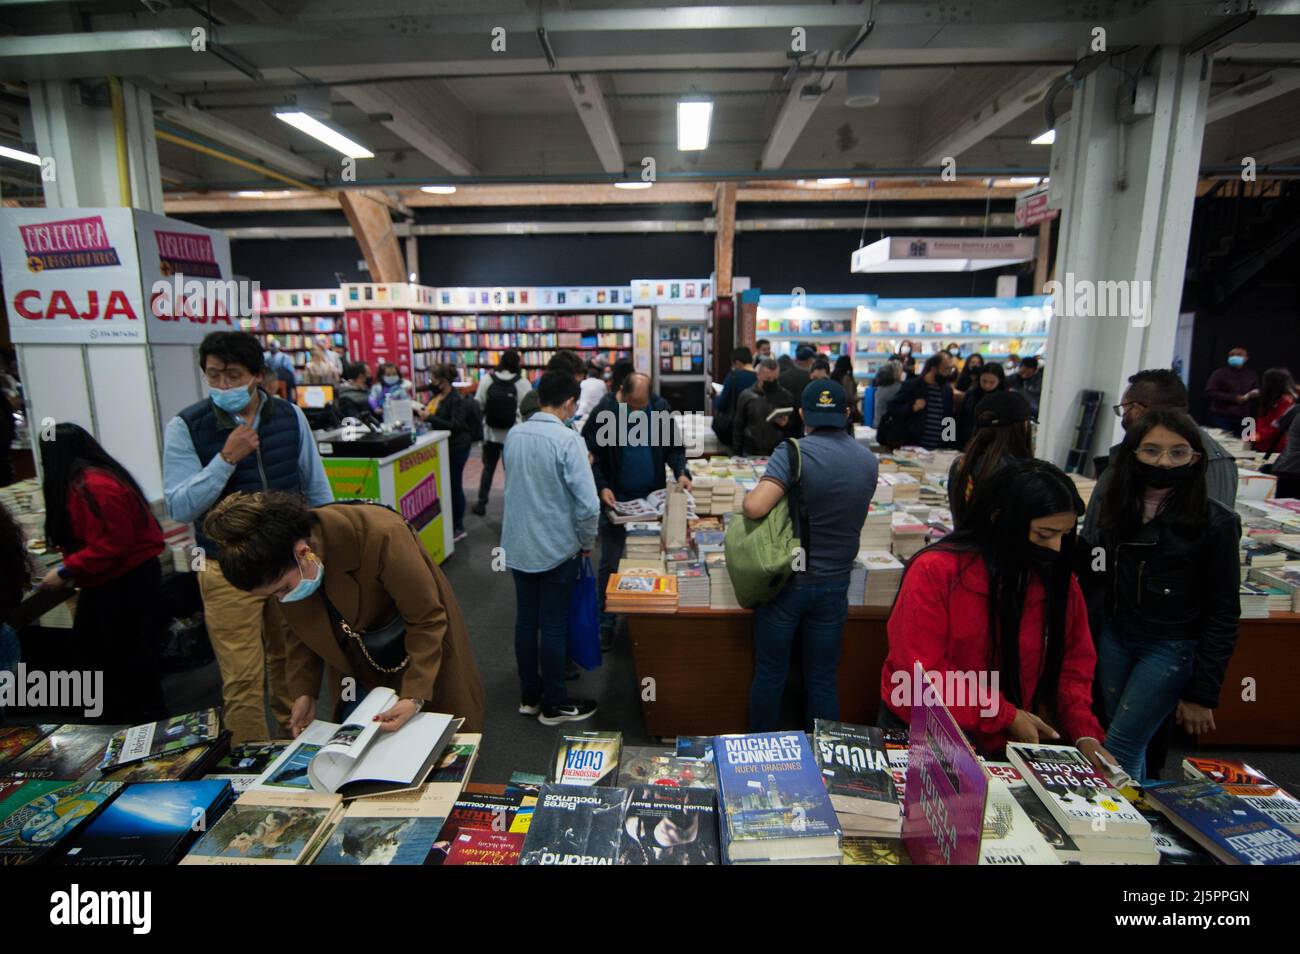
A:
x: 575, y: 825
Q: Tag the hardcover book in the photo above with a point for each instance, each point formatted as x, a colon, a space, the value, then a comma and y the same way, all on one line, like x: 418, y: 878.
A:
x: 586, y: 758
x: 575, y: 825
x: 176, y: 767
x: 152, y: 823
x: 71, y: 752
x: 670, y: 826
x: 1075, y: 793
x: 34, y: 831
x: 1272, y: 801
x: 773, y: 804
x: 855, y: 768
x: 474, y: 847
x: 398, y: 828
x: 1224, y: 825
x: 268, y: 828
x: 157, y: 739
x: 17, y: 739
x: 17, y: 792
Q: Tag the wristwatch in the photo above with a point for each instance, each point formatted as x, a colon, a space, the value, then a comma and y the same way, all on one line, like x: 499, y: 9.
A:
x: 419, y: 703
x: 222, y: 455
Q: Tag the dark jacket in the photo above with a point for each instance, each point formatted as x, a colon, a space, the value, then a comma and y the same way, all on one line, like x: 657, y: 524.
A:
x: 460, y: 415
x: 751, y: 431
x: 1225, y: 385
x: 900, y: 406
x: 1166, y: 582
x: 794, y: 379
x: 352, y: 401
x: 607, y: 455
x: 1031, y: 389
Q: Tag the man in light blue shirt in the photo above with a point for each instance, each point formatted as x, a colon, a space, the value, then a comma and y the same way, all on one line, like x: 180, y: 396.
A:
x: 548, y: 528
x: 239, y: 438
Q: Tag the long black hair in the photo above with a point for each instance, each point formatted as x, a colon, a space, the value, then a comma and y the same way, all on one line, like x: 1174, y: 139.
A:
x: 1273, y: 385
x: 64, y: 461
x: 988, y: 450
x: 970, y: 373
x: 996, y: 531
x: 1122, y: 504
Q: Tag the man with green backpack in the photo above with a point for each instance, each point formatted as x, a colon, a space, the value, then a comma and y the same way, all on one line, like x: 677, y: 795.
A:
x: 792, y: 555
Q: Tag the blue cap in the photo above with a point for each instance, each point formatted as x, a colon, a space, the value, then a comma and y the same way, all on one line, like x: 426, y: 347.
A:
x: 824, y: 404
x: 805, y: 352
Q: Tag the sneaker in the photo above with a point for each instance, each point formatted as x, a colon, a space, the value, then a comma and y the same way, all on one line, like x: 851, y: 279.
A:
x: 458, y: 536
x: 575, y: 710
x: 479, y: 509
x: 530, y: 708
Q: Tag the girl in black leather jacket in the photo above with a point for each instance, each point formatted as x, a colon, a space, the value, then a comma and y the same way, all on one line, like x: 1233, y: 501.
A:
x: 1171, y: 582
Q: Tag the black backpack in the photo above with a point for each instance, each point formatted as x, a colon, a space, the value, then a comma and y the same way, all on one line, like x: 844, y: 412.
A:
x: 502, y: 405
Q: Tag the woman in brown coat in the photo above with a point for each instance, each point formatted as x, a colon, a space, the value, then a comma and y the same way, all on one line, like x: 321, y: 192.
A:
x: 273, y: 544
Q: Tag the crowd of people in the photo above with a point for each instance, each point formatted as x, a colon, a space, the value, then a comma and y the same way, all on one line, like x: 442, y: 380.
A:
x: 1098, y: 630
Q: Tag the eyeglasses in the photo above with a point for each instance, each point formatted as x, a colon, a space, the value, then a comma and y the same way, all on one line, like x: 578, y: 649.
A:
x: 1119, y: 408
x: 1178, y: 456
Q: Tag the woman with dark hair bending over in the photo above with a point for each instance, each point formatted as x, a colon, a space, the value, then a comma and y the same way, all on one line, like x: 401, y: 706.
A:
x: 380, y: 580
x: 1002, y: 434
x: 97, y: 515
x: 997, y: 600
x: 1171, y: 582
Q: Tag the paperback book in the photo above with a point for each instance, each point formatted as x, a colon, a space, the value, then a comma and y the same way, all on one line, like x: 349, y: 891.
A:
x: 1223, y: 771
x: 36, y: 830
x: 242, y: 764
x: 855, y: 767
x: 1075, y: 793
x: 1224, y: 825
x: 474, y: 847
x: 653, y: 768
x: 586, y: 758
x: 860, y: 850
x: 152, y: 823
x: 670, y: 826
x: 395, y: 829
x: 178, y: 766
x: 1271, y: 801
x: 1009, y: 836
x: 496, y: 808
x: 17, y: 739
x: 268, y: 828
x: 575, y: 825
x: 163, y: 738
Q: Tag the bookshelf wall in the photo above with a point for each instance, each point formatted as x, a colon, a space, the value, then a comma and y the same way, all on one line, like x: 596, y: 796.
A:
x: 294, y: 317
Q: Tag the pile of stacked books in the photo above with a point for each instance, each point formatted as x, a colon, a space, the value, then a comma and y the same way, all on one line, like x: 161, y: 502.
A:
x: 1259, y: 599
x: 722, y: 595
x: 855, y: 768
x: 877, y: 530
x: 643, y: 542
x: 909, y: 534
x: 884, y: 576
x: 693, y: 588
x: 1285, y: 577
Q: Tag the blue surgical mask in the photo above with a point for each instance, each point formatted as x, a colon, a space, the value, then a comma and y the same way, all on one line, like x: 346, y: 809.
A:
x: 392, y: 379
x: 305, y: 587
x: 1236, y: 360
x: 231, y: 400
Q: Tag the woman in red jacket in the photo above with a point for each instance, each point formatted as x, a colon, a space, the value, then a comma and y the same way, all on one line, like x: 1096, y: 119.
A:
x: 1006, y: 570
x: 97, y: 516
x: 1277, y: 395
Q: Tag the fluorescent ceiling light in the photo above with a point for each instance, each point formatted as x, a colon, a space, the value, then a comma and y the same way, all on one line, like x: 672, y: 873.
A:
x: 693, y: 120
x: 439, y: 189
x: 331, y: 137
x: 1044, y: 139
x: 10, y: 153
x: 1028, y: 180
x: 633, y: 184
x: 250, y: 194
x: 833, y: 182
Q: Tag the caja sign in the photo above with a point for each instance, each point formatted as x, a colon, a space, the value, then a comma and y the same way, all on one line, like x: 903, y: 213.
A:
x: 71, y: 276
x: 185, y: 272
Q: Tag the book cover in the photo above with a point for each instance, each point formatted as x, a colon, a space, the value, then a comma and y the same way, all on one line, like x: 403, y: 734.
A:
x: 670, y: 826
x: 1273, y: 801
x: 873, y: 851
x: 586, y: 758
x: 359, y: 840
x: 575, y: 825
x: 70, y: 752
x: 242, y: 764
x: 473, y: 847
x: 1048, y: 827
x: 695, y: 747
x: 665, y: 770
x: 1009, y: 837
x: 498, y: 808
x: 175, y: 767
x: 17, y: 739
x: 165, y: 737
x: 17, y: 792
x: 1223, y: 824
x: 855, y: 768
x: 769, y: 789
x: 457, y: 760
x: 33, y: 831
x: 1075, y: 793
x: 1223, y: 771
x: 253, y: 833
x: 151, y: 823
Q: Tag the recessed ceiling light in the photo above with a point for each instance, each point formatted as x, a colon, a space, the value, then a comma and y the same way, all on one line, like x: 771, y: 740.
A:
x: 318, y: 130
x: 694, y: 117
x: 439, y: 189
x: 10, y: 153
x: 633, y: 184
x: 1044, y: 139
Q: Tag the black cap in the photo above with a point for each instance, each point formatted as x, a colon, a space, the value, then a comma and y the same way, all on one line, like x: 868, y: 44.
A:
x: 1002, y: 407
x: 824, y: 404
x: 805, y: 353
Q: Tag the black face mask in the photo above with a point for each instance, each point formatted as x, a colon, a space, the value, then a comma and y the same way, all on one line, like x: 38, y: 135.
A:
x: 1162, y: 478
x: 769, y: 387
x: 1040, y: 558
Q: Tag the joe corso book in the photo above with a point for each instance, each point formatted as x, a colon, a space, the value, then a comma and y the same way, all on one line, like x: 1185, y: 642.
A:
x: 150, y: 823
x: 34, y: 832
x: 670, y: 826
x: 855, y: 768
x: 772, y: 801
x: 575, y: 825
x: 1076, y: 793
x: 1224, y: 825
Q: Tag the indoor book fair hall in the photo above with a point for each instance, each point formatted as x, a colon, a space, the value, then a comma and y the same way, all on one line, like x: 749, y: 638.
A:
x: 546, y: 434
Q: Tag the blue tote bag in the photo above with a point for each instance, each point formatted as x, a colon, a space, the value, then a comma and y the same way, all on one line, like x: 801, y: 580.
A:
x: 584, y: 619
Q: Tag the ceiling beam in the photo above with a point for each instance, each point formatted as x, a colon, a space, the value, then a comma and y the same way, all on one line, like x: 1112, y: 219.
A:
x: 1250, y: 93
x: 790, y: 121
x: 968, y: 109
x: 428, y: 116
x: 1290, y: 149
x: 227, y: 133
x: 373, y: 228
x: 724, y: 238
x: 589, y: 99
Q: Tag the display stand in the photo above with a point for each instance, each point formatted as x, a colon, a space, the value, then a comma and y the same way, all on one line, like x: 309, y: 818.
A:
x: 415, y: 482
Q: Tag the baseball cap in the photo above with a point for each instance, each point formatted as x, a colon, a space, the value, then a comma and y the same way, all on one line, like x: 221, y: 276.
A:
x: 805, y: 353
x: 1002, y: 407
x: 824, y: 404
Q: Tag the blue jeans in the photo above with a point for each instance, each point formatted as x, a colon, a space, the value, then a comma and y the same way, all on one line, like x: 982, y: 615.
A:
x: 542, y: 604
x: 613, y: 541
x: 457, y: 466
x: 1141, y: 681
x: 819, y: 609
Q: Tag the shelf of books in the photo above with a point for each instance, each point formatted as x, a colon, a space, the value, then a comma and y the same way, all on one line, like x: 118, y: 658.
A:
x: 993, y: 327
x: 294, y: 316
x: 418, y: 327
x: 824, y: 321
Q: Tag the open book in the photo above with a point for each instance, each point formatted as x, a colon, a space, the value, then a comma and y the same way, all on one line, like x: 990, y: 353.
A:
x: 777, y: 412
x: 357, y: 758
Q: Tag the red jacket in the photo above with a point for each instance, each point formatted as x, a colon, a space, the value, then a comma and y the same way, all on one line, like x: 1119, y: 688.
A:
x: 941, y: 618
x: 1266, y: 426
x: 119, y: 537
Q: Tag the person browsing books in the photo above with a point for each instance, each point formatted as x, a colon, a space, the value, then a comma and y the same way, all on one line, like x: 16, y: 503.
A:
x: 1005, y: 570
x: 1003, y: 433
x: 762, y: 413
x: 1170, y: 584
x: 380, y: 584
x: 836, y: 480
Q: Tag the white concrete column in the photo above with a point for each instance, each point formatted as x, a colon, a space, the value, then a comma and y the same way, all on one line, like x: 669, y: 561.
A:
x: 1127, y: 192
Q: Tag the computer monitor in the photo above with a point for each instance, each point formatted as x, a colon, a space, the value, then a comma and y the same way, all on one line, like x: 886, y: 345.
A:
x: 315, y: 395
